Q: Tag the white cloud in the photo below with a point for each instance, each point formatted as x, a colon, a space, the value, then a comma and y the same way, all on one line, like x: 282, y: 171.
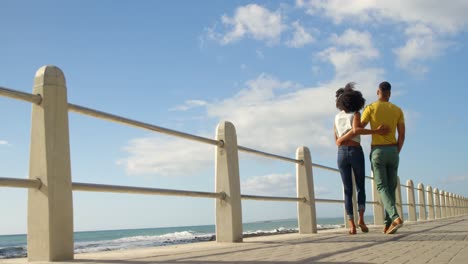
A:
x: 189, y: 104
x: 300, y: 37
x: 253, y: 21
x: 350, y: 53
x: 166, y: 157
x: 274, y: 185
x: 270, y: 185
x: 422, y: 44
x: 428, y: 22
x: 270, y: 114
x: 444, y: 16
x: 455, y: 179
x: 4, y: 142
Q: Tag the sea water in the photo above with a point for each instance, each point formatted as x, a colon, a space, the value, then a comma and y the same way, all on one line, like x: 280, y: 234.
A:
x: 14, y: 246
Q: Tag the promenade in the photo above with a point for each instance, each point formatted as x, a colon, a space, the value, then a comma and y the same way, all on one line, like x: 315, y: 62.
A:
x: 441, y: 241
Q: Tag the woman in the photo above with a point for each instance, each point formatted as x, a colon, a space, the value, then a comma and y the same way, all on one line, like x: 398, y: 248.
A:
x: 350, y: 155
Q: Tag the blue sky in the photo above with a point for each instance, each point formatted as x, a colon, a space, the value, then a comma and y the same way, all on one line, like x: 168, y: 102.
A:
x: 270, y: 67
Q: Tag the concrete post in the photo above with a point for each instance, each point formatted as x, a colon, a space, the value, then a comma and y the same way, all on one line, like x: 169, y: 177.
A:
x: 430, y: 203
x: 443, y: 206
x: 411, y: 201
x: 452, y: 204
x: 229, y: 210
x: 50, y: 209
x: 398, y: 200
x: 465, y: 202
x: 459, y: 205
x: 377, y: 207
x: 447, y: 204
x: 306, y: 214
x: 459, y: 208
x: 437, y: 203
x: 465, y: 205
x: 422, y: 202
x: 462, y: 204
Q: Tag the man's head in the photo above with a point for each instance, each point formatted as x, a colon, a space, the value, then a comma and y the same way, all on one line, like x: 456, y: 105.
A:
x: 384, y: 91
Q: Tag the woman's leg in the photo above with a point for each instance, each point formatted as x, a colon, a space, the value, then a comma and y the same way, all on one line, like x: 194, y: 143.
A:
x: 345, y: 171
x: 358, y: 164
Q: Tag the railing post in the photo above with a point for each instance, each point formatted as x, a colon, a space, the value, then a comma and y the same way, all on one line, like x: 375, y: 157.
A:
x: 398, y: 200
x: 307, y: 219
x: 411, y: 201
x: 460, y: 212
x: 50, y: 209
x: 430, y: 203
x: 443, y: 206
x: 377, y: 207
x: 465, y: 202
x: 459, y: 208
x: 452, y: 204
x: 437, y: 203
x: 462, y: 204
x: 447, y: 204
x: 465, y: 205
x: 229, y: 210
x: 422, y: 202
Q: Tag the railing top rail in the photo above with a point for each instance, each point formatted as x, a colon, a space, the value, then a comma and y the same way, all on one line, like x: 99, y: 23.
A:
x: 32, y: 98
x: 261, y: 153
x: 127, y: 121
x: 118, y: 119
x: 273, y: 198
x: 20, y: 183
x: 325, y: 167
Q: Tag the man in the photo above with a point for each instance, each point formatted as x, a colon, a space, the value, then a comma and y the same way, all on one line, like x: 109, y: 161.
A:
x: 385, y: 151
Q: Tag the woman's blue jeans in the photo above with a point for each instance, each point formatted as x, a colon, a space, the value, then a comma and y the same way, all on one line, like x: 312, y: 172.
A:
x: 351, y: 159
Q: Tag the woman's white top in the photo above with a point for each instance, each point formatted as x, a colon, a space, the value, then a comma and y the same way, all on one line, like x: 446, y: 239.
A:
x: 344, y: 123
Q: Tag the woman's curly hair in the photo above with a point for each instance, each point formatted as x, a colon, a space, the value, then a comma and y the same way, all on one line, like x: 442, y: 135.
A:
x: 348, y: 99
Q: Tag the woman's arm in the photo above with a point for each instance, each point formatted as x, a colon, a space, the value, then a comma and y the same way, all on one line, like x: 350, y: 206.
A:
x: 334, y: 133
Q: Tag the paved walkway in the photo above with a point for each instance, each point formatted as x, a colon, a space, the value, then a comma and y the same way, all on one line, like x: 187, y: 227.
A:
x: 441, y: 241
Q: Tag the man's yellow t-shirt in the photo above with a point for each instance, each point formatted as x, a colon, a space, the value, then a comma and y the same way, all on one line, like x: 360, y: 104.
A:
x: 385, y: 113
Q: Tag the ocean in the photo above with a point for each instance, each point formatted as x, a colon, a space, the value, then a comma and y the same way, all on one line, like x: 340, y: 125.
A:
x: 14, y: 246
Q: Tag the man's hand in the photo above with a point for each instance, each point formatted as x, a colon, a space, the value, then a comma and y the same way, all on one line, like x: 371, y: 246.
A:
x: 383, y: 129
x: 339, y: 142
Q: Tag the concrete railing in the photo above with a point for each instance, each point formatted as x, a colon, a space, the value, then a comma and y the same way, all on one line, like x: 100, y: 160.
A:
x: 50, y: 208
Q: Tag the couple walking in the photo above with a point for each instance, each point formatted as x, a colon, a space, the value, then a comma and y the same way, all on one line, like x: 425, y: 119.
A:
x: 385, y: 120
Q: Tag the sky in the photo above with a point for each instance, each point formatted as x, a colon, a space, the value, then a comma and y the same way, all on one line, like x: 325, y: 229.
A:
x: 269, y: 67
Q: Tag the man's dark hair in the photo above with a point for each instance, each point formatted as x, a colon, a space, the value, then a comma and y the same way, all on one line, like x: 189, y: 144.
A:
x: 348, y: 99
x: 385, y: 86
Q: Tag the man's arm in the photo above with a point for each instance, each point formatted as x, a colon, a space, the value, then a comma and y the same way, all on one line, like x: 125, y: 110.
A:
x: 401, y: 135
x: 359, y: 130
